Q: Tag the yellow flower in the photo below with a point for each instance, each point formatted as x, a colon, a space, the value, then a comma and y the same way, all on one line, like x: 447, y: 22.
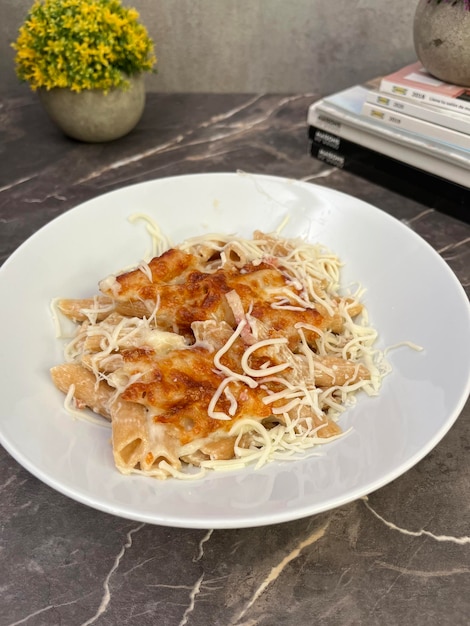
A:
x: 82, y: 44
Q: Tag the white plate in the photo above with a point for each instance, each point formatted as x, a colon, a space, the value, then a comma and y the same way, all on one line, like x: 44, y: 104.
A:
x: 412, y: 295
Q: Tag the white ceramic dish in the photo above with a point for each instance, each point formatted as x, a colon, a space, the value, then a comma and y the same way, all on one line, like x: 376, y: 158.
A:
x: 412, y: 295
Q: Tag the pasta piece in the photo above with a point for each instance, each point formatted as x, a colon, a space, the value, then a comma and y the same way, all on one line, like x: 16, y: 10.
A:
x: 220, y: 449
x: 139, y: 443
x: 334, y: 371
x: 88, y: 392
x: 101, y: 306
x: 324, y: 427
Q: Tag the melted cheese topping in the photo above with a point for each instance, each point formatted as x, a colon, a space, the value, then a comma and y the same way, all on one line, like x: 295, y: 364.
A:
x: 243, y: 349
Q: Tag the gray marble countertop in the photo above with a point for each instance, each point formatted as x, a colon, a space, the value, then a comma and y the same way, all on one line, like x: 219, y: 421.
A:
x: 399, y: 557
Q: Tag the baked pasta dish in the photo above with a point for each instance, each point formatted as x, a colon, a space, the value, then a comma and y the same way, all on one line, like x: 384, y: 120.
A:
x: 219, y: 352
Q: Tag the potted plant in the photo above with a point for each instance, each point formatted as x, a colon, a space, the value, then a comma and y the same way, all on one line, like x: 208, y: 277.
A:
x: 86, y: 59
x: 441, y: 34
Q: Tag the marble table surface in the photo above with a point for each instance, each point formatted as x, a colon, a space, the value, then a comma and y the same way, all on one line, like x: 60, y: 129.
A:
x: 399, y: 557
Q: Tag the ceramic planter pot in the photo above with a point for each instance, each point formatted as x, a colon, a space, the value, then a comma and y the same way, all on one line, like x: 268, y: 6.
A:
x: 93, y: 116
x: 441, y: 33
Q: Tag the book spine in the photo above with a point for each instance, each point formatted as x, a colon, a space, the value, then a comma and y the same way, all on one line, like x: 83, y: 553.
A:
x: 395, y: 175
x: 410, y: 148
x: 401, y: 153
x: 421, y: 95
x: 415, y: 125
x: 443, y: 117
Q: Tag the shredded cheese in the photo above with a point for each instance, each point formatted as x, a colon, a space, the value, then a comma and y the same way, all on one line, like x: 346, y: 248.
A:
x: 226, y: 370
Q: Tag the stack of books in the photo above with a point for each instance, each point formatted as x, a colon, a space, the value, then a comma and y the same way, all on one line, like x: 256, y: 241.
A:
x: 406, y: 131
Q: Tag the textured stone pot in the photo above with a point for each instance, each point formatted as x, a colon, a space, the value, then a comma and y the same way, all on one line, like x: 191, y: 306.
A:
x: 94, y: 116
x: 441, y: 33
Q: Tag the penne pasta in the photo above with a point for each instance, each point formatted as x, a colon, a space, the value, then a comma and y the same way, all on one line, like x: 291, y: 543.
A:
x: 220, y: 350
x: 87, y: 391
